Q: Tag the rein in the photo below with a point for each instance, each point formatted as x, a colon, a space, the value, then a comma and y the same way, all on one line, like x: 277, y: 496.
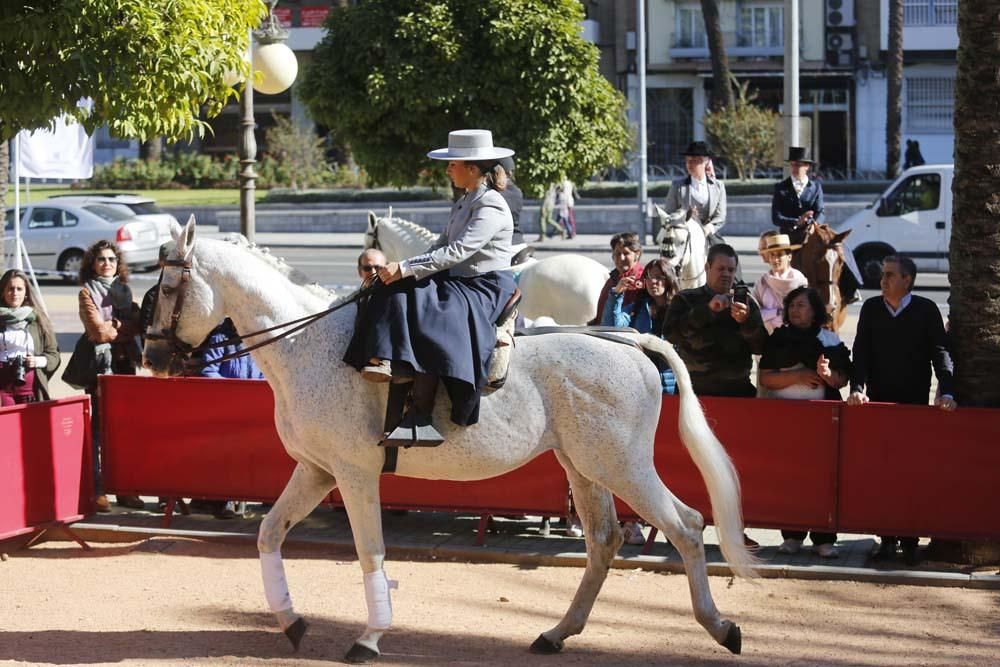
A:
x: 679, y: 267
x: 185, y: 350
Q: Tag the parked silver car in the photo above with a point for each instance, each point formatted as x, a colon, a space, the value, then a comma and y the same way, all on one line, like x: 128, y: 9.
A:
x: 57, y: 231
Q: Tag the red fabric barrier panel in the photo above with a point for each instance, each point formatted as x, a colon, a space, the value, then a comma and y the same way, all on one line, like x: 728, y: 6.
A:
x: 195, y: 437
x: 919, y: 471
x: 784, y: 451
x: 45, y: 464
x: 191, y: 437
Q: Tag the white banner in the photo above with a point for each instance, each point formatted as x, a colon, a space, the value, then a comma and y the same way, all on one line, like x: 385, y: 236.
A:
x: 67, y: 152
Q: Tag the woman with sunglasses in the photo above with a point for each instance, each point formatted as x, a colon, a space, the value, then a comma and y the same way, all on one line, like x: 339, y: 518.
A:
x: 111, y: 322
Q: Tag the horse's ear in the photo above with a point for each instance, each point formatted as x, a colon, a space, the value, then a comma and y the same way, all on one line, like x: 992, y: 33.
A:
x: 372, y: 220
x: 185, y: 240
x: 839, y: 238
x: 175, y: 230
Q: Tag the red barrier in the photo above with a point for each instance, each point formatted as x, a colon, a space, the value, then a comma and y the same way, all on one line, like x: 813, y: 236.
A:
x: 46, y: 476
x: 785, y: 453
x: 803, y: 464
x: 160, y: 439
x: 914, y: 470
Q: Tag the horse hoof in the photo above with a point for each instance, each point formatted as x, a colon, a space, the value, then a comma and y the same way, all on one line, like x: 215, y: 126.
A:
x: 543, y: 646
x: 734, y: 639
x: 296, y: 631
x: 360, y: 655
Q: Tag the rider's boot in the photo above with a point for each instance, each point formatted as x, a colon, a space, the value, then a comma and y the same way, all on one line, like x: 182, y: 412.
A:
x: 416, y: 429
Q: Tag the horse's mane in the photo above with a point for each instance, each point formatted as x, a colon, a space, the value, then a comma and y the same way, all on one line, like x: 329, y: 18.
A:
x: 295, y: 276
x: 409, y: 230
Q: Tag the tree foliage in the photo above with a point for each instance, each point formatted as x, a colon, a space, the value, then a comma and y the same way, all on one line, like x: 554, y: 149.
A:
x: 744, y: 134
x: 149, y: 66
x: 299, y: 151
x: 392, y: 78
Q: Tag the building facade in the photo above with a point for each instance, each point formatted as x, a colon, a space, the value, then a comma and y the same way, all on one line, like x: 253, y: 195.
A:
x: 842, y: 72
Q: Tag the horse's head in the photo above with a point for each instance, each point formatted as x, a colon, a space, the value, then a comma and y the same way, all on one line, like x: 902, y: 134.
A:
x: 187, y: 308
x: 821, y: 260
x: 371, y: 234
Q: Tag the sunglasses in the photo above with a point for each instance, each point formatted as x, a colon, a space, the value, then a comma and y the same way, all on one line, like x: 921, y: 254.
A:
x: 370, y: 267
x: 109, y: 260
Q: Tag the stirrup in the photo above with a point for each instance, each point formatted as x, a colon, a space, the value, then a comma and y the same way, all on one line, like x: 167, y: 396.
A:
x: 414, y: 431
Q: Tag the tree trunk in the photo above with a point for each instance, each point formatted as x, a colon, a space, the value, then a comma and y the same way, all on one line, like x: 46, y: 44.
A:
x: 722, y: 89
x: 975, y: 231
x: 152, y: 150
x: 975, y: 225
x: 894, y: 94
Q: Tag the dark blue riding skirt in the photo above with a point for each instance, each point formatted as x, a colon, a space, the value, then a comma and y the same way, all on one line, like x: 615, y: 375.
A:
x: 442, y: 325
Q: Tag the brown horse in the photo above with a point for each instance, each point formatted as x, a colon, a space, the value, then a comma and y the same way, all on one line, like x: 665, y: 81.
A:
x: 821, y: 260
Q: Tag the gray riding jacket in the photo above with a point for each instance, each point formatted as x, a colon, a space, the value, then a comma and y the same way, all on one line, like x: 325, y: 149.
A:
x: 477, y: 240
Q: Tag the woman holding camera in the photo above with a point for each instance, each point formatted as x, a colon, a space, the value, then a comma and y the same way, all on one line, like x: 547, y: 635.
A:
x: 28, y: 351
x: 111, y: 323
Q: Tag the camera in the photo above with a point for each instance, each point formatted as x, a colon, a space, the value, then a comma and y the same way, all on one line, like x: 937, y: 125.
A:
x: 741, y: 293
x: 20, y: 366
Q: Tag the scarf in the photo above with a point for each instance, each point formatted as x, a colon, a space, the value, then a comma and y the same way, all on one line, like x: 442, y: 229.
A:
x: 782, y: 286
x: 16, y: 318
x: 111, y: 296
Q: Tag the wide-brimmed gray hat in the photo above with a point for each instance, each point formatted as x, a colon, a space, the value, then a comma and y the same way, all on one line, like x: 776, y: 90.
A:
x: 470, y: 146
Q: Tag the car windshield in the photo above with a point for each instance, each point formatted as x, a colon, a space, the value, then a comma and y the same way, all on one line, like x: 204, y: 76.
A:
x: 109, y: 213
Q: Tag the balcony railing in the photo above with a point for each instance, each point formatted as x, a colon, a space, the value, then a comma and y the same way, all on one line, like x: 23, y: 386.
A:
x: 930, y: 12
x: 738, y: 44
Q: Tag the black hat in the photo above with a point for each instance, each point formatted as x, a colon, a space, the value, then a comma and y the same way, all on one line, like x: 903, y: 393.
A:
x: 799, y: 154
x: 508, y: 165
x: 697, y: 149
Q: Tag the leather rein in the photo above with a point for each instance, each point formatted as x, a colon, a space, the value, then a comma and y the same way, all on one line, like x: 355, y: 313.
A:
x: 183, y: 350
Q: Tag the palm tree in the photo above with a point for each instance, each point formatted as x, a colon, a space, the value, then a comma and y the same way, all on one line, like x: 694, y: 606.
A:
x: 975, y: 236
x: 4, y: 184
x: 722, y: 92
x: 894, y: 94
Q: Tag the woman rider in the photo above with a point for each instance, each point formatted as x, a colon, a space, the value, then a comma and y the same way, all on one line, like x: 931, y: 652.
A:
x: 436, y: 315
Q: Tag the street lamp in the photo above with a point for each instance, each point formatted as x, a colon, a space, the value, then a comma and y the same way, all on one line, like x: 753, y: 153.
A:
x: 273, y: 68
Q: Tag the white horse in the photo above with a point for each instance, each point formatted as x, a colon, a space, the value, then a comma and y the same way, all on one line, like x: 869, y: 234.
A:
x: 595, y: 403
x: 682, y: 243
x: 566, y: 287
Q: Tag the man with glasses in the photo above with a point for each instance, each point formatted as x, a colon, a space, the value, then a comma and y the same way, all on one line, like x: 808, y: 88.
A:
x: 369, y: 262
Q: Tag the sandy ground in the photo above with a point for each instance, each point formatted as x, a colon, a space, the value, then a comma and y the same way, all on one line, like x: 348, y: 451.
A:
x: 174, y: 601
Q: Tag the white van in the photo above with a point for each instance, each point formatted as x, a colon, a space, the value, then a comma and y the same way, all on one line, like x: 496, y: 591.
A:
x: 912, y: 217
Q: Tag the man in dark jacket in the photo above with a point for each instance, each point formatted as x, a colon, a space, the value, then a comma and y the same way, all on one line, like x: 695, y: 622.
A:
x: 149, y: 299
x: 715, y: 331
x: 797, y: 200
x: 900, y: 338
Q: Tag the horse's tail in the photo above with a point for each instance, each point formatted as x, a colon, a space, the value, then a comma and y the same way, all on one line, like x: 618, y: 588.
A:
x: 712, y: 460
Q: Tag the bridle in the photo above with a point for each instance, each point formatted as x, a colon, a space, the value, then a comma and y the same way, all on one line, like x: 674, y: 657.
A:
x: 182, y: 352
x: 670, y: 253
x: 373, y: 235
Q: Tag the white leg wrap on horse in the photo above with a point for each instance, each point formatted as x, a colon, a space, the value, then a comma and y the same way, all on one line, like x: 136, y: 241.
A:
x: 272, y: 571
x: 377, y: 586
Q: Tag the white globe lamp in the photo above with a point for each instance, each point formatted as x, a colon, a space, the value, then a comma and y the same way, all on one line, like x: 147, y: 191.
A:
x: 275, y: 68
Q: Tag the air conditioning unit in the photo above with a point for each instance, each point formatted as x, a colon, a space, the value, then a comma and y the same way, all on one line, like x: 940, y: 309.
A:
x: 839, y: 13
x: 839, y: 49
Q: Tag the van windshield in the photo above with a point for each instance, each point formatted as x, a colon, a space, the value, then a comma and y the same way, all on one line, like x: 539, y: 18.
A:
x: 920, y: 192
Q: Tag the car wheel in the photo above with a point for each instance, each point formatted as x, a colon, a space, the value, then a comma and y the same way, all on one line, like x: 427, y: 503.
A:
x: 69, y: 264
x: 870, y: 264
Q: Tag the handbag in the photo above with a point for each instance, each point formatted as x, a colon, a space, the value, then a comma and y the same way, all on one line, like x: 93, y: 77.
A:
x: 82, y: 369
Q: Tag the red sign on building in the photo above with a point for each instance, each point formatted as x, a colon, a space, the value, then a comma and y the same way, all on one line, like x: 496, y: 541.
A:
x: 313, y: 17
x: 283, y: 14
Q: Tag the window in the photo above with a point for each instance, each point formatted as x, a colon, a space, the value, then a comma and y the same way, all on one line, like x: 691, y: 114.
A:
x: 917, y: 193
x: 930, y: 12
x: 671, y: 121
x: 762, y: 26
x: 109, y: 213
x: 10, y: 219
x: 690, y: 32
x: 930, y: 103
x: 42, y: 218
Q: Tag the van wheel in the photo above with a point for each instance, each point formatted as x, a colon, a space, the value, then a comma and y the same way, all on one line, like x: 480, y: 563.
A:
x: 70, y: 264
x: 870, y: 264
